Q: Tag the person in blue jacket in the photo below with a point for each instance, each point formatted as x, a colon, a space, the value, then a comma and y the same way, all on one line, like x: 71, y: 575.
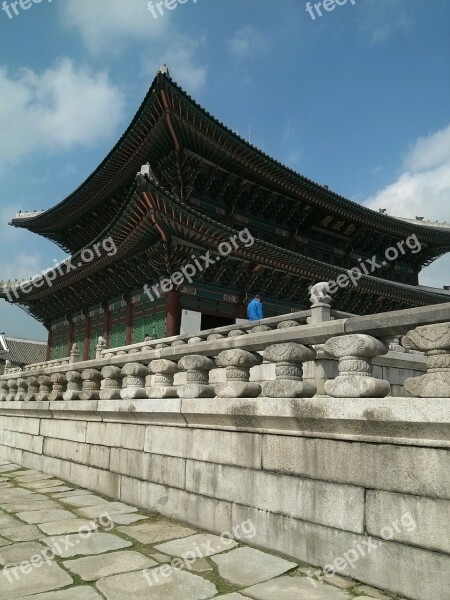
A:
x: 255, y: 309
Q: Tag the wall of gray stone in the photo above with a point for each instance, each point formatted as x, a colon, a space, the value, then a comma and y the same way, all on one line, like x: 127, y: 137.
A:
x: 318, y: 497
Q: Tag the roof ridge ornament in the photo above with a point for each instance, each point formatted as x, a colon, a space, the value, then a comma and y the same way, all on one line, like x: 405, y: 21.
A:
x: 164, y: 70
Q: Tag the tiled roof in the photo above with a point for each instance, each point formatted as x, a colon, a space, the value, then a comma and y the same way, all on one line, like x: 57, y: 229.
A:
x: 22, y: 352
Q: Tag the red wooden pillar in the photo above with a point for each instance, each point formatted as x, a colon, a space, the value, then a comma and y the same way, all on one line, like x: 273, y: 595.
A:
x: 71, y: 337
x: 49, y: 345
x: 241, y: 311
x: 106, y: 324
x: 87, y: 338
x: 173, y: 314
x: 129, y: 329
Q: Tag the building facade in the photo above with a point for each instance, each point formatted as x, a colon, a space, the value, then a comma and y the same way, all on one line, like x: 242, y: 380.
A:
x: 184, y: 220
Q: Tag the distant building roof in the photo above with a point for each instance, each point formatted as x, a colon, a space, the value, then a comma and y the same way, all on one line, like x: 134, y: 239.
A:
x: 22, y: 352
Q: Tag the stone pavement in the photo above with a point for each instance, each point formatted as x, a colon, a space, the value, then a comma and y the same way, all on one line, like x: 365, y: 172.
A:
x: 60, y: 543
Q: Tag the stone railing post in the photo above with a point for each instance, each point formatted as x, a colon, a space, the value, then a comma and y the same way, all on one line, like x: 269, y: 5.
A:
x: 73, y: 386
x: 164, y: 371
x: 289, y: 359
x: 101, y: 345
x: 59, y: 386
x: 74, y: 354
x: 45, y: 388
x: 197, y: 377
x: 355, y: 353
x: 320, y: 303
x: 237, y: 364
x: 135, y: 374
x: 112, y: 383
x: 12, y: 384
x: 33, y: 389
x: 91, y: 379
x: 434, y: 340
x: 4, y: 390
x: 22, y: 389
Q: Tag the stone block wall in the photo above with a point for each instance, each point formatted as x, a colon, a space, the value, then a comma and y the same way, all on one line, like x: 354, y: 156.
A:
x: 318, y: 482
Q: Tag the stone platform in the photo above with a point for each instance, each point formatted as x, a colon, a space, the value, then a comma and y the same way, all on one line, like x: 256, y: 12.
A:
x: 61, y: 543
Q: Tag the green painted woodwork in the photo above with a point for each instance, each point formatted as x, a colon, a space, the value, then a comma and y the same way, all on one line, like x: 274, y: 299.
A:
x: 118, y: 335
x: 155, y: 325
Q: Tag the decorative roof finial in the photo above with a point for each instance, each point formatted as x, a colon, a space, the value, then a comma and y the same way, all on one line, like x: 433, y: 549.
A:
x: 164, y: 70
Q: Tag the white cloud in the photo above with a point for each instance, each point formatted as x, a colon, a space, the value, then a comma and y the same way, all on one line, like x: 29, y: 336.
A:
x: 106, y: 29
x: 180, y: 58
x: 382, y: 19
x: 422, y: 189
x: 106, y: 26
x: 248, y: 42
x: 59, y: 108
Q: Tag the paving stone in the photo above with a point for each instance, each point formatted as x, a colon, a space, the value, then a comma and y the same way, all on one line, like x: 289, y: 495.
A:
x: 59, y: 488
x: 43, y: 484
x: 8, y: 521
x: 201, y: 545
x: 247, y: 566
x: 179, y: 584
x: 45, y: 516
x: 69, y: 546
x: 83, y: 501
x: 366, y: 590
x: 69, y: 494
x: 104, y: 565
x: 162, y: 558
x: 67, y: 526
x: 234, y: 596
x: 109, y: 508
x: 31, y: 506
x: 82, y: 592
x: 15, y: 583
x: 201, y: 566
x: 4, y: 542
x: 33, y: 477
x: 293, y: 588
x: 22, y: 533
x: 17, y: 553
x: 156, y: 531
x: 340, y: 582
x: 26, y: 472
x: 126, y: 519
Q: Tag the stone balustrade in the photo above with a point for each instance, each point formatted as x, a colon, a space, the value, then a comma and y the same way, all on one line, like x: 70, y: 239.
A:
x: 356, y: 342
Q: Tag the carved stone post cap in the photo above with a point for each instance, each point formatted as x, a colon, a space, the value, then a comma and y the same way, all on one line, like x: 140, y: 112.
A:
x: 44, y: 380
x: 111, y: 372
x: 428, y: 337
x: 135, y: 370
x: 196, y: 362
x: 289, y: 352
x: 238, y: 358
x: 58, y: 378
x: 215, y: 336
x: 260, y: 328
x: 178, y: 343
x: 91, y: 375
x: 288, y: 323
x: 73, y: 376
x: 236, y: 333
x: 12, y: 382
x: 161, y: 346
x: 22, y: 382
x: 358, y: 344
x: 319, y: 294
x: 32, y: 381
x: 195, y: 340
x: 162, y: 365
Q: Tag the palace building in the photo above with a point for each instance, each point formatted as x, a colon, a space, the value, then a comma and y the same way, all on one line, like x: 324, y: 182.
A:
x: 176, y: 186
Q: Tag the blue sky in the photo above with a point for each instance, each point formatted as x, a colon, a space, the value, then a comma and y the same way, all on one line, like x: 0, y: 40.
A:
x: 357, y: 99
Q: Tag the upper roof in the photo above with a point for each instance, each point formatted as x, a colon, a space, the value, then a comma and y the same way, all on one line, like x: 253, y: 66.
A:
x: 22, y: 352
x: 167, y: 119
